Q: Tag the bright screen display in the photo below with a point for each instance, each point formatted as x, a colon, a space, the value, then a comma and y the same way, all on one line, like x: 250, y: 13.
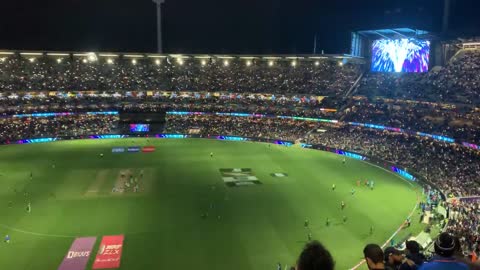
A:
x: 139, y: 128
x: 400, y: 55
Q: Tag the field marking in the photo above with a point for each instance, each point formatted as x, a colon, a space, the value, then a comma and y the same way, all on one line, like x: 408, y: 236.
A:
x: 58, y: 235
x: 35, y: 233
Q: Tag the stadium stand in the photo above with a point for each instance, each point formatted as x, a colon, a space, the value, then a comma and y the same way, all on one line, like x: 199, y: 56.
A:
x: 444, y: 101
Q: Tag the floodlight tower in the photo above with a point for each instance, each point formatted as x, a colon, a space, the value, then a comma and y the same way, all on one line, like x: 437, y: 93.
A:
x: 159, y: 24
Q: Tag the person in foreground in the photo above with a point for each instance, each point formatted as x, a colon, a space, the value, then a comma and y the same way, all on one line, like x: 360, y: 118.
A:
x: 444, y: 259
x: 373, y: 255
x: 315, y: 256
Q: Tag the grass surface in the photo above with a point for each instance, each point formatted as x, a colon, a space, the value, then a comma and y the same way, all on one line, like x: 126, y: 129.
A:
x: 252, y: 227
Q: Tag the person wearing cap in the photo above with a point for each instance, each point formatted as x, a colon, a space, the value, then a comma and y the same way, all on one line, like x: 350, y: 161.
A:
x: 393, y: 258
x: 444, y: 259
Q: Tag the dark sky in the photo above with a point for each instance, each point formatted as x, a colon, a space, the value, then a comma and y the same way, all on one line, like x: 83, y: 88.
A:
x: 216, y: 26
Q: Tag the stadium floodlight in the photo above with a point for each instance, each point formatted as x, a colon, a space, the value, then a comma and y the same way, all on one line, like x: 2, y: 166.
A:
x: 6, y: 53
x: 159, y: 24
x: 134, y: 61
x: 180, y: 61
x: 31, y: 60
x: 110, y: 61
x: 340, y: 63
x: 84, y: 61
x: 59, y: 60
x: 204, y: 62
x: 294, y: 63
x: 3, y: 59
x: 157, y: 62
x: 226, y: 63
x: 270, y: 63
x: 317, y: 63
x: 249, y: 63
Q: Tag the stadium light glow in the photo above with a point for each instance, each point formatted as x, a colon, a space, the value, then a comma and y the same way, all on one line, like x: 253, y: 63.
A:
x: 294, y: 63
x: 134, y: 61
x: 204, y: 62
x: 110, y: 61
x: 6, y: 53
x: 340, y: 63
x: 31, y: 60
x: 92, y: 57
x: 226, y: 63
x: 57, y: 54
x: 317, y: 63
x: 157, y: 62
x: 59, y: 60
x: 3, y: 59
x: 108, y: 55
x: 249, y: 63
x: 180, y: 61
x: 270, y: 63
x: 31, y: 53
x: 133, y: 55
x: 84, y: 61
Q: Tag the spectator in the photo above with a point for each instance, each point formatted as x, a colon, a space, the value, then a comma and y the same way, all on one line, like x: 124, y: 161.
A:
x: 414, y: 259
x: 393, y: 258
x: 315, y: 257
x: 444, y: 259
x: 373, y: 255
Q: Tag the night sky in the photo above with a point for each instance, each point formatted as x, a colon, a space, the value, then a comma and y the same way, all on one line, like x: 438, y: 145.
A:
x: 217, y: 26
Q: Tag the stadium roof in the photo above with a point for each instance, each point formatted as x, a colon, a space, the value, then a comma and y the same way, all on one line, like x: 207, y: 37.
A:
x: 393, y: 33
x: 183, y: 56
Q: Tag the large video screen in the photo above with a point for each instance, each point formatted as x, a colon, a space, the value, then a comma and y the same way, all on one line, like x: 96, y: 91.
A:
x: 400, y: 55
x: 139, y: 128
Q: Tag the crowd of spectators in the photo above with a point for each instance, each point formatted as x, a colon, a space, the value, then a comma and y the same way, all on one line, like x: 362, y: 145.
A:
x: 461, y: 123
x: 320, y: 77
x: 464, y: 222
x: 457, y: 82
x: 12, y: 129
x: 266, y: 128
x: 452, y: 167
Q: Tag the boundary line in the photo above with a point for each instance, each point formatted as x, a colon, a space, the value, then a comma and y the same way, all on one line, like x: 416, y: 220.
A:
x: 35, y: 233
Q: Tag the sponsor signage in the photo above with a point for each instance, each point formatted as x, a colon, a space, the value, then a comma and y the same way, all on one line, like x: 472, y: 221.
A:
x: 133, y: 149
x: 109, y: 253
x: 148, y: 149
x: 118, y: 149
x: 78, y: 254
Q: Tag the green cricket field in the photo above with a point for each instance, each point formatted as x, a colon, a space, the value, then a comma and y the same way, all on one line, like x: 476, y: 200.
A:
x: 242, y: 208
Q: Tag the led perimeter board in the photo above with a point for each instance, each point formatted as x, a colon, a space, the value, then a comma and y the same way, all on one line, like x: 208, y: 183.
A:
x: 400, y: 55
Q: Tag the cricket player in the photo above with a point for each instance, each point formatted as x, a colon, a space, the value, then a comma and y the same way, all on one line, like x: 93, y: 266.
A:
x: 101, y: 155
x: 372, y: 184
x: 309, y: 236
x: 371, y: 230
x: 279, y: 266
x: 328, y: 222
x: 353, y: 191
x: 333, y: 187
x: 31, y: 175
x: 306, y: 223
x: 29, y: 207
x: 344, y: 219
x: 344, y: 161
x: 211, y: 154
x: 343, y: 205
x: 7, y: 239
